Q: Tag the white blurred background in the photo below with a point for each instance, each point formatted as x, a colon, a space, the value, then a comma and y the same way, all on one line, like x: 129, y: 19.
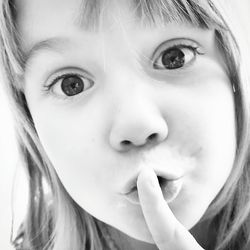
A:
x: 9, y: 163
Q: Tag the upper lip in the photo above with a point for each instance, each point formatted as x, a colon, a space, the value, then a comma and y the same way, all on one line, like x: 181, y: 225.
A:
x: 131, y: 184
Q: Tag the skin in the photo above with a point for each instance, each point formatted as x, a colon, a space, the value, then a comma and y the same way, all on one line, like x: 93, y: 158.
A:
x: 190, y: 110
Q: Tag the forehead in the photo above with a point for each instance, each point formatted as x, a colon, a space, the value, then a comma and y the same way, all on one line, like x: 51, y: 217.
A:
x: 89, y: 13
x: 92, y: 14
x: 39, y: 20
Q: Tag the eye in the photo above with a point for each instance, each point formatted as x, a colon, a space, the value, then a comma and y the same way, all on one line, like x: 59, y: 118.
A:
x: 172, y: 56
x: 70, y: 85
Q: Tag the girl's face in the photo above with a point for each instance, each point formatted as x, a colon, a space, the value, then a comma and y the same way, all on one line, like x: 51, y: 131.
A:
x: 110, y: 102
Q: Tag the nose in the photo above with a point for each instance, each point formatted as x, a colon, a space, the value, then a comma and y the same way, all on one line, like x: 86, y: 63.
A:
x: 137, y: 124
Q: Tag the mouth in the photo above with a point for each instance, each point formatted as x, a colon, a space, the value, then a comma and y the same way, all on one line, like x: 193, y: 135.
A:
x: 170, y: 189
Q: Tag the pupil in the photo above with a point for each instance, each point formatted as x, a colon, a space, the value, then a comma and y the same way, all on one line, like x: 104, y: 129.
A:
x: 173, y: 58
x: 72, y: 85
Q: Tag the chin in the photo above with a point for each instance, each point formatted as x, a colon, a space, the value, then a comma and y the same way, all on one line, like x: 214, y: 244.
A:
x: 191, y: 214
x: 142, y: 234
x: 135, y: 228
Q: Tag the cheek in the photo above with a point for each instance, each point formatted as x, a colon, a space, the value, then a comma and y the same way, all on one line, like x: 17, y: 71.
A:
x: 78, y: 158
x: 75, y: 152
x: 204, y: 126
x: 219, y: 137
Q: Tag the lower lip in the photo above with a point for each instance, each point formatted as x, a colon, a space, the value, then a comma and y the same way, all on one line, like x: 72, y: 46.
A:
x: 170, y: 191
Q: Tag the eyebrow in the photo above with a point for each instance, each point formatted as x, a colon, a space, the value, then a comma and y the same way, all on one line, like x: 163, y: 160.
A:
x: 50, y: 44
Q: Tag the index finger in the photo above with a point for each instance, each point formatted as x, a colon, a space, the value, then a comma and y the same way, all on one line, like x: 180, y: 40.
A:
x: 166, y: 230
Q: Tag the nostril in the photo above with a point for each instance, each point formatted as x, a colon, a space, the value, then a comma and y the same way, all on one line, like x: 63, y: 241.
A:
x: 126, y: 142
x: 152, y: 137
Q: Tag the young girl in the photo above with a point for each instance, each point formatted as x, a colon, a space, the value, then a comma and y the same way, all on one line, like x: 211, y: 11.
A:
x: 133, y: 123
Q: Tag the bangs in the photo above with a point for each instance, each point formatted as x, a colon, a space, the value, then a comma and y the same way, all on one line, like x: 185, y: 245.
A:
x: 202, y: 14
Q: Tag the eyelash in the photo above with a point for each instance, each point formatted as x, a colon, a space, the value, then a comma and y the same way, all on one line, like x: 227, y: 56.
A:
x: 48, y: 88
x: 181, y: 44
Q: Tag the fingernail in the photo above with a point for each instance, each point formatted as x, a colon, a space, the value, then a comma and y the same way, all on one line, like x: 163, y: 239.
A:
x: 150, y: 177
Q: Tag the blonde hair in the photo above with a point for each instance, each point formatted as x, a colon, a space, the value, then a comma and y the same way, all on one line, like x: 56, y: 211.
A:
x: 54, y: 220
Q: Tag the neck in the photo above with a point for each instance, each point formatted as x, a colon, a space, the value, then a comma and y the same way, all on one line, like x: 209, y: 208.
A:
x: 204, y: 234
x: 125, y: 242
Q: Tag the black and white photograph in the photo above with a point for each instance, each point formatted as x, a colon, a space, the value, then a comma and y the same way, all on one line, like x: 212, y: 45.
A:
x: 125, y: 124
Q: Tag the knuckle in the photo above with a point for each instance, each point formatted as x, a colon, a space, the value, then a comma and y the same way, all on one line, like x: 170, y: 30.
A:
x: 165, y: 242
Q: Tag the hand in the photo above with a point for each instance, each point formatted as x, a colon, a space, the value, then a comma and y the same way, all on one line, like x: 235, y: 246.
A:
x: 167, y: 232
